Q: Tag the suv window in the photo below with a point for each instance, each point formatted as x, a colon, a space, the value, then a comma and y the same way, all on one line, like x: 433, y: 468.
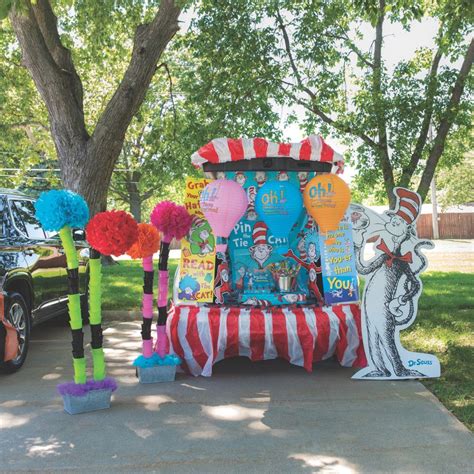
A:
x: 23, y: 212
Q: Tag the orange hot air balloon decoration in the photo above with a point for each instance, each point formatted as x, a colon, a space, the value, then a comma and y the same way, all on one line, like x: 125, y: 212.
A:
x: 326, y: 198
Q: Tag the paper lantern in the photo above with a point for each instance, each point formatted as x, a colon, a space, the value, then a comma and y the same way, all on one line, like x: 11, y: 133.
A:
x: 326, y: 198
x: 279, y: 204
x: 223, y: 203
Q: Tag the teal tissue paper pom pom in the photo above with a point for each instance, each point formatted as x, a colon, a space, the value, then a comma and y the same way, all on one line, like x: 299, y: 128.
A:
x: 56, y: 209
x: 155, y: 359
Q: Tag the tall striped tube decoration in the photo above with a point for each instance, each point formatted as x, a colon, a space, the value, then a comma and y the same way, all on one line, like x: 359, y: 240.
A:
x: 146, y: 245
x: 60, y: 211
x: 108, y: 233
x: 95, y: 315
x: 174, y: 222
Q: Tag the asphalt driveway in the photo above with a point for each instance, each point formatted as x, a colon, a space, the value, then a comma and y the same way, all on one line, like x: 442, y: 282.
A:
x: 249, y: 417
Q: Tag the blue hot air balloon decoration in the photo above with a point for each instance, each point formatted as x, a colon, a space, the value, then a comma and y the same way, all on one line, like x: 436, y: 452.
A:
x: 279, y: 204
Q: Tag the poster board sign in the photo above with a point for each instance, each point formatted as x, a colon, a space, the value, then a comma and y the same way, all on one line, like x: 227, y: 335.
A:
x: 198, y: 252
x: 255, y: 252
x: 338, y: 264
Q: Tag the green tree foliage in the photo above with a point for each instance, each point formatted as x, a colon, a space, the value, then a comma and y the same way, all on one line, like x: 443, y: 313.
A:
x: 25, y: 142
x: 308, y: 54
x: 456, y: 184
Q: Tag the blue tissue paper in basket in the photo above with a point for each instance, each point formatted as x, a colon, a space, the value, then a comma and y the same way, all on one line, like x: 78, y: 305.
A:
x: 156, y: 369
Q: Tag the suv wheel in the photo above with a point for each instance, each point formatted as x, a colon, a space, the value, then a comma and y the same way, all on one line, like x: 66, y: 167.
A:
x: 17, y: 314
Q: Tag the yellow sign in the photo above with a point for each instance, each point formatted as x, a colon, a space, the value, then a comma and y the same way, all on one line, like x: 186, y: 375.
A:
x: 198, y: 250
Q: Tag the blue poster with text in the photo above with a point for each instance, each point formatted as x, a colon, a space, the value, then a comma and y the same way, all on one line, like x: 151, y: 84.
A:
x: 338, y: 264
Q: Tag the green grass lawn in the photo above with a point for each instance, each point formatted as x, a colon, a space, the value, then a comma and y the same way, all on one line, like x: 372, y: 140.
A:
x: 123, y: 284
x: 444, y: 327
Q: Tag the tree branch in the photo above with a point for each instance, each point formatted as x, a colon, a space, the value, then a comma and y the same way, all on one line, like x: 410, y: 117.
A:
x: 446, y: 122
x: 383, y: 153
x: 149, y: 43
x: 286, y: 40
x: 167, y: 69
x: 119, y: 193
x: 148, y: 194
x: 48, y: 24
x: 425, y: 124
x: 27, y: 123
x: 312, y: 107
x: 350, y: 44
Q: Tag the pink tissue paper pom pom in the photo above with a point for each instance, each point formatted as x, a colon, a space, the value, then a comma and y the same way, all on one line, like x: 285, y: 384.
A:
x: 171, y: 219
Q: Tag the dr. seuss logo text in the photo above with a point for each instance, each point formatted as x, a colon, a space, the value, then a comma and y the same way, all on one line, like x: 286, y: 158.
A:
x: 417, y: 362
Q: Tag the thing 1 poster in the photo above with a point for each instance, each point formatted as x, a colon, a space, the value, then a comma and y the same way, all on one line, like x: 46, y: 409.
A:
x: 198, y: 253
x: 338, y: 264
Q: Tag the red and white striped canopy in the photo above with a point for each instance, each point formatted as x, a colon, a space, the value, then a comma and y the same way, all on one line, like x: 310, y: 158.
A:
x: 223, y: 150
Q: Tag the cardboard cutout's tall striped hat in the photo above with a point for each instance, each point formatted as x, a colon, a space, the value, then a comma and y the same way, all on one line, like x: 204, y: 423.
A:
x: 223, y: 150
x: 408, y: 205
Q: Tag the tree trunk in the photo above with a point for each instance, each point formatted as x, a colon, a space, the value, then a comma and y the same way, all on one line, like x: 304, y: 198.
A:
x: 135, y: 206
x: 83, y: 173
x: 87, y: 161
x: 379, y: 108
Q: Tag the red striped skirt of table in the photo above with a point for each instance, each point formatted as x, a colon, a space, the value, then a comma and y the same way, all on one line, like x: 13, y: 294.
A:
x: 204, y: 335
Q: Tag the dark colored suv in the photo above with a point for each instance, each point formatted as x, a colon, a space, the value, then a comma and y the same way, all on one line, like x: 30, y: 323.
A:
x: 33, y: 275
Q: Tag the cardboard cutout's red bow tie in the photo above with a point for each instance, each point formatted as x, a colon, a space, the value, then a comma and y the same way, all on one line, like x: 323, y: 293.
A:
x: 391, y: 257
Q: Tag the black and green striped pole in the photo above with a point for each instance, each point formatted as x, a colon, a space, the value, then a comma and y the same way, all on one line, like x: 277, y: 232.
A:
x: 61, y: 211
x: 74, y: 305
x: 95, y: 315
x: 108, y: 233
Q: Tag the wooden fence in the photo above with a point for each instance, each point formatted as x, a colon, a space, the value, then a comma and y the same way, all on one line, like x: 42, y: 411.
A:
x: 459, y: 225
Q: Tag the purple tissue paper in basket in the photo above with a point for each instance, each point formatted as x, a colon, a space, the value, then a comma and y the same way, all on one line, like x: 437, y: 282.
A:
x: 78, y: 389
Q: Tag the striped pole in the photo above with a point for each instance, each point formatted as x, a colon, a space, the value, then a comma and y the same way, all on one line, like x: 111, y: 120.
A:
x: 162, y: 343
x: 74, y: 306
x: 95, y: 315
x: 147, y: 308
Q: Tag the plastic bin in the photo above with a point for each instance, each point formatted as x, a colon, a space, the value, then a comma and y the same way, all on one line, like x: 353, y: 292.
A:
x: 91, y: 401
x: 159, y: 373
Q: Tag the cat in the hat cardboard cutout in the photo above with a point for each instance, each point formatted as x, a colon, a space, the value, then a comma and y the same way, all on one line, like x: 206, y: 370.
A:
x: 392, y: 288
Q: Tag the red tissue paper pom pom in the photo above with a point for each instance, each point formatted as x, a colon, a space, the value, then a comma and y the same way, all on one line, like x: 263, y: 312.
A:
x: 147, y: 244
x: 172, y: 220
x: 112, y: 232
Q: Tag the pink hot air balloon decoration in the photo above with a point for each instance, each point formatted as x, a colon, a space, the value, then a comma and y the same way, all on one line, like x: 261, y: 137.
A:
x: 223, y: 203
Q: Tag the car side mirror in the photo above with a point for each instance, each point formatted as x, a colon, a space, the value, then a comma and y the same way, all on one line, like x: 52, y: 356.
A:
x: 79, y: 234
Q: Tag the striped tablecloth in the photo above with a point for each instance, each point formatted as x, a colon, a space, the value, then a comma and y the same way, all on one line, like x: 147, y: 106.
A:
x: 204, y: 335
